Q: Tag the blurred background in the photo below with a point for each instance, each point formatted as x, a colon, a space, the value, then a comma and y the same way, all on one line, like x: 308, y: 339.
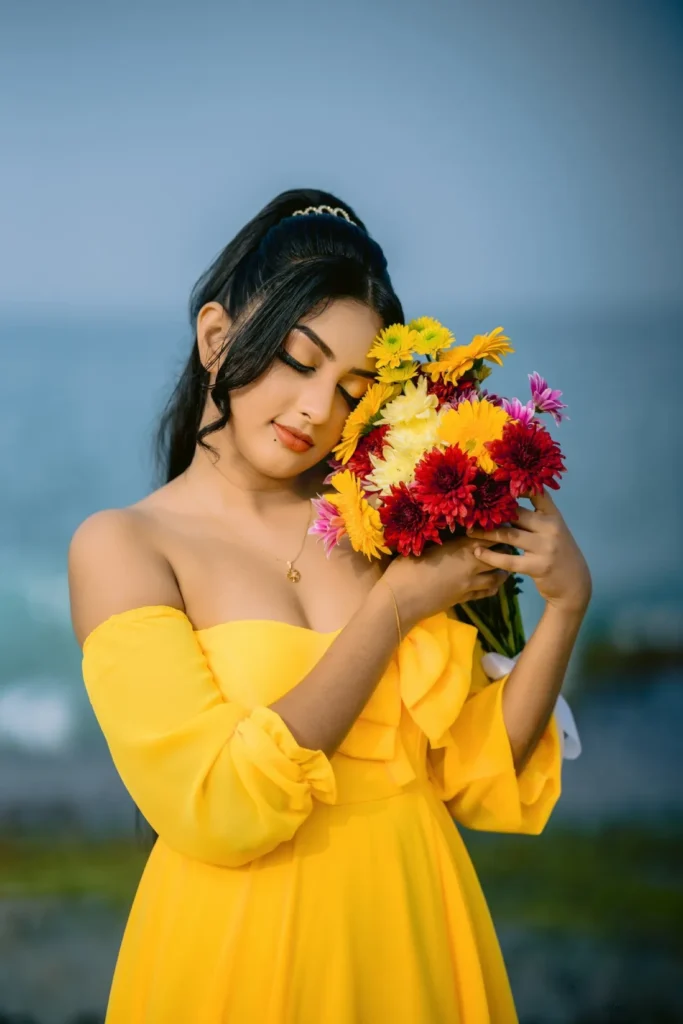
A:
x: 520, y: 164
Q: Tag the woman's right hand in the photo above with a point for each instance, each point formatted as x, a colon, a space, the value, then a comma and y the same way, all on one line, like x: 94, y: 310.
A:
x: 443, y: 575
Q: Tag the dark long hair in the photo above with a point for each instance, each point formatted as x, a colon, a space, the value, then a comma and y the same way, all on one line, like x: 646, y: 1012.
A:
x: 277, y: 269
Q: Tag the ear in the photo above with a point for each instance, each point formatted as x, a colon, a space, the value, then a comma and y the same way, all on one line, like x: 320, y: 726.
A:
x: 213, y: 325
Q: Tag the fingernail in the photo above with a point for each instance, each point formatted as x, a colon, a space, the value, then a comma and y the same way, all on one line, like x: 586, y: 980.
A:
x: 477, y: 552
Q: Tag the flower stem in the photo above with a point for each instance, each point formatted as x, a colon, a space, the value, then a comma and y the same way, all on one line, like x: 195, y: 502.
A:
x: 483, y: 629
x: 505, y: 608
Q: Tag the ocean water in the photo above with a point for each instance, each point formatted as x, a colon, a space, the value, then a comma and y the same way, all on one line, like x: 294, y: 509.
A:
x: 80, y: 396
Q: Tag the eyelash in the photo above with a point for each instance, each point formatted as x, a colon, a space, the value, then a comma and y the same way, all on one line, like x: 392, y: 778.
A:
x: 301, y: 368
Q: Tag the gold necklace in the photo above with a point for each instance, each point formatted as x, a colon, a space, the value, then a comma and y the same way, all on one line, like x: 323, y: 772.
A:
x: 292, y: 574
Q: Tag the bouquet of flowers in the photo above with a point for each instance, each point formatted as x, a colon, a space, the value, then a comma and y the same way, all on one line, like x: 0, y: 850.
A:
x: 429, y: 453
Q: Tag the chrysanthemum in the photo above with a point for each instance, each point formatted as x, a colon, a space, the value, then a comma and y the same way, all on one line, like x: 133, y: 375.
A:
x: 416, y: 436
x: 471, y: 426
x: 413, y: 404
x: 431, y: 337
x: 392, y: 345
x: 527, y: 457
x: 516, y: 411
x: 372, y: 444
x: 445, y: 390
x: 407, y: 523
x: 546, y: 399
x: 397, y: 374
x: 451, y: 393
x: 361, y: 520
x: 493, y: 503
x: 328, y: 524
x: 393, y: 468
x: 444, y: 484
x: 335, y: 467
x: 359, y: 421
x: 457, y: 361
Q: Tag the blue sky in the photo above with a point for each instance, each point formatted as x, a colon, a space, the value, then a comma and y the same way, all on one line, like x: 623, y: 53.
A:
x: 526, y: 151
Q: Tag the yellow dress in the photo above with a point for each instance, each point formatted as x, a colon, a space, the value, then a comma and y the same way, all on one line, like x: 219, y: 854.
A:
x: 289, y: 888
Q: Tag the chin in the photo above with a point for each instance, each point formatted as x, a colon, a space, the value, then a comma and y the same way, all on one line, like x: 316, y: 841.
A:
x: 285, y: 465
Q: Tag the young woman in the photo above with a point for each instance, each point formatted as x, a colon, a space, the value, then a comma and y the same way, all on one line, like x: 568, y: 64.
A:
x: 301, y: 732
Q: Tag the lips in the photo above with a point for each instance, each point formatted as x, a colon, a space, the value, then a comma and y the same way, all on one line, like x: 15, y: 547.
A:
x: 292, y: 439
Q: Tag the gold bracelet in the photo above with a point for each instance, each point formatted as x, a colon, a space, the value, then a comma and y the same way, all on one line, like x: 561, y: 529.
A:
x: 398, y: 617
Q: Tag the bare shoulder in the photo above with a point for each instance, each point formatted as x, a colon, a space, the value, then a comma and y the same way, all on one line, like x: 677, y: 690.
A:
x: 114, y: 566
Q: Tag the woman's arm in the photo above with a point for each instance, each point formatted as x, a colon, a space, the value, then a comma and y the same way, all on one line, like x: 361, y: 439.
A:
x: 113, y: 568
x: 552, y: 559
x: 534, y: 684
x: 218, y: 780
x: 321, y: 709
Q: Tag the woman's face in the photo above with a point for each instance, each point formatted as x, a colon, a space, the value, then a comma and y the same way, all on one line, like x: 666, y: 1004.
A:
x: 321, y: 373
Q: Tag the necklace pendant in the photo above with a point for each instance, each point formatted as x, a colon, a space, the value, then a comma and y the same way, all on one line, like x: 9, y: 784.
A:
x: 293, y: 575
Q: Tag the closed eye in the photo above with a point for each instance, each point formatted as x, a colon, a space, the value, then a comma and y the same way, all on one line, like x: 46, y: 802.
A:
x: 303, y: 368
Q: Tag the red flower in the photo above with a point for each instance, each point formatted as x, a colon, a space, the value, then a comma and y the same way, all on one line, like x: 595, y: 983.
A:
x: 359, y: 463
x: 444, y: 484
x: 407, y: 523
x: 527, y: 457
x: 446, y: 391
x: 443, y: 389
x: 493, y: 503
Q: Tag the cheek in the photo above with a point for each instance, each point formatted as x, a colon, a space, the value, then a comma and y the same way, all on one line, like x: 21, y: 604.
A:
x: 260, y: 402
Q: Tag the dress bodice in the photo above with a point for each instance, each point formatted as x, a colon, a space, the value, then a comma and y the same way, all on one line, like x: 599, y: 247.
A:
x: 257, y: 661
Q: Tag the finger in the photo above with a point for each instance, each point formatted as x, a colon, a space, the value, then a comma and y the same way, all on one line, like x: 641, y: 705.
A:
x: 525, y: 518
x: 524, y: 539
x: 473, y: 543
x: 543, y: 502
x: 511, y: 563
x: 491, y: 580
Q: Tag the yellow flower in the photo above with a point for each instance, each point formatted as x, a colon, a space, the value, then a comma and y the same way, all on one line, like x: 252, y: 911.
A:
x: 394, y: 375
x: 457, y: 361
x: 416, y: 436
x: 361, y: 520
x: 431, y: 337
x: 413, y: 404
x: 470, y: 426
x: 395, y: 467
x: 392, y: 346
x: 356, y: 422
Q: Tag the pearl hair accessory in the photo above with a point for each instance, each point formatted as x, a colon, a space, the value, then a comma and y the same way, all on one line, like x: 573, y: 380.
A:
x: 337, y: 211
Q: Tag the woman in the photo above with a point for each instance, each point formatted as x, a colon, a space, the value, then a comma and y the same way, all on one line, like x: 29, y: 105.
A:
x: 301, y: 732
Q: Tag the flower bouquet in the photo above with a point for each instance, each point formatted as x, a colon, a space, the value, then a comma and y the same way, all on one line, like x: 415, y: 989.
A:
x: 429, y: 453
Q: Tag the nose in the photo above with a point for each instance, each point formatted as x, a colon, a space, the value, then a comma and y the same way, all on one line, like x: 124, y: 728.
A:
x: 316, y: 399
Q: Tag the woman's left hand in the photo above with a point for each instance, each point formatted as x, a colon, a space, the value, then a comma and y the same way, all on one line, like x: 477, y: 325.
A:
x: 551, y: 558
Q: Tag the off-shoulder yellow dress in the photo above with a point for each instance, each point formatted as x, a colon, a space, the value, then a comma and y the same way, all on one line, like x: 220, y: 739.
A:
x: 289, y: 888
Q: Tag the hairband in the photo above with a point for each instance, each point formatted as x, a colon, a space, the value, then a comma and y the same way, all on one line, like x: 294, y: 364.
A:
x: 336, y: 211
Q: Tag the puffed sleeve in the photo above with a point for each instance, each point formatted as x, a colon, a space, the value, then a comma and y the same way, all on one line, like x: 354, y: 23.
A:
x: 474, y: 773
x: 217, y: 781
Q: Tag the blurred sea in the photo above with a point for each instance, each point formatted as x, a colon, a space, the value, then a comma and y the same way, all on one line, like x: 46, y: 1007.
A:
x: 79, y: 399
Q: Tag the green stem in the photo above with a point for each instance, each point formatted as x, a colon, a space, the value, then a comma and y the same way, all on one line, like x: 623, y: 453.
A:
x: 484, y: 630
x: 519, y: 637
x: 505, y: 608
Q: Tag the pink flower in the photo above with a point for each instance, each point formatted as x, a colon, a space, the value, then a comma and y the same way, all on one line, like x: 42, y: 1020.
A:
x: 545, y: 399
x: 516, y: 411
x: 490, y: 397
x: 328, y: 525
x: 336, y: 467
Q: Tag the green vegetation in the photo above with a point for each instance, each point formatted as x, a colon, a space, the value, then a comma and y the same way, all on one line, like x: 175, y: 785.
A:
x: 622, y: 881
x: 619, y: 882
x: 70, y: 868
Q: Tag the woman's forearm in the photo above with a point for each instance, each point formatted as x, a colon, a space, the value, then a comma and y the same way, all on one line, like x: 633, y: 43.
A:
x: 535, y: 682
x: 320, y: 710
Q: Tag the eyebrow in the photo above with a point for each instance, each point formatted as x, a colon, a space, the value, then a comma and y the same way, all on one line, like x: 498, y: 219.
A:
x: 327, y: 351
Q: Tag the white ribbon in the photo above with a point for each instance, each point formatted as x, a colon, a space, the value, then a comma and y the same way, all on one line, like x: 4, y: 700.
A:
x: 497, y: 665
